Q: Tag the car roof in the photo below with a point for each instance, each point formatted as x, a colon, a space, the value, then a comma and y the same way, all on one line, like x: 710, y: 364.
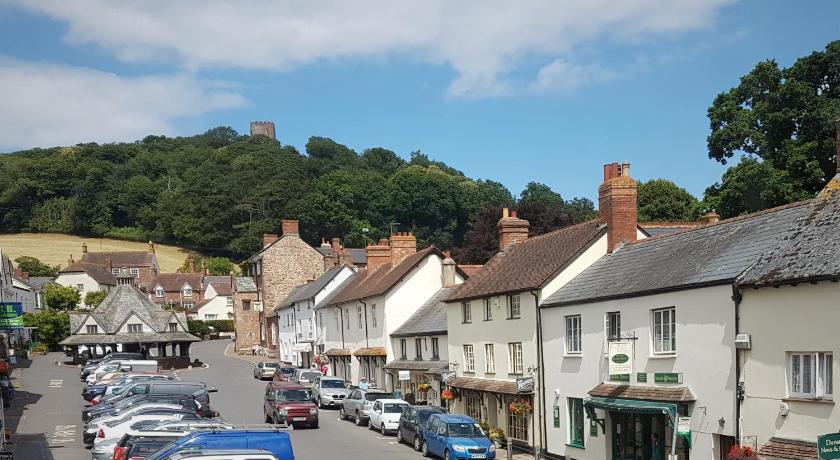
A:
x: 455, y: 418
x: 198, y: 453
x: 437, y: 409
x: 327, y: 377
x: 287, y: 386
x: 375, y: 390
x: 392, y: 401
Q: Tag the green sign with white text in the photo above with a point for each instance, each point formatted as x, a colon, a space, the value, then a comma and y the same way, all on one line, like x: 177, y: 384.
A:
x: 663, y: 377
x: 828, y: 446
x: 620, y: 377
x: 641, y: 377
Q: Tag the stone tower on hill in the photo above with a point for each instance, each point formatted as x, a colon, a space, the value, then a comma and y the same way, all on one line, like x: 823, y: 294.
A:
x: 265, y: 128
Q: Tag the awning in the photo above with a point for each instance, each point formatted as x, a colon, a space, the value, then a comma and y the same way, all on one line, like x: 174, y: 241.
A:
x: 373, y: 351
x: 632, y: 406
x: 337, y: 352
x: 302, y: 347
x: 433, y: 367
x: 488, y: 385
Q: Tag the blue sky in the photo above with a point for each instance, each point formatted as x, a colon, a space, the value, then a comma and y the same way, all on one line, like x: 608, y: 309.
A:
x: 544, y: 91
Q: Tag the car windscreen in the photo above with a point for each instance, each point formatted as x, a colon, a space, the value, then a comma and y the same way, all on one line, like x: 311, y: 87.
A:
x: 271, y: 365
x: 375, y: 396
x: 394, y: 408
x: 464, y: 429
x: 292, y: 395
x: 332, y: 384
x: 309, y: 375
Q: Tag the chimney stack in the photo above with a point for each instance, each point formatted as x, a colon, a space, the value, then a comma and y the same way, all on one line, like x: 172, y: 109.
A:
x: 204, y: 267
x: 378, y: 254
x: 289, y: 227
x: 448, y: 270
x: 710, y: 217
x: 512, y: 229
x: 232, y: 281
x: 617, y: 198
x: 70, y: 260
x: 403, y: 244
x: 268, y: 239
x: 84, y: 248
x: 151, y: 247
x: 109, y: 264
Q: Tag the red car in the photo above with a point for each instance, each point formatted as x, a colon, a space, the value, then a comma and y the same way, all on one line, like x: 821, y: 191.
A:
x: 288, y: 403
x: 283, y: 374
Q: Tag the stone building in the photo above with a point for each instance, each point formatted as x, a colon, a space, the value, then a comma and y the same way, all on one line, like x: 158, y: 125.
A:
x: 284, y: 263
x: 245, y: 314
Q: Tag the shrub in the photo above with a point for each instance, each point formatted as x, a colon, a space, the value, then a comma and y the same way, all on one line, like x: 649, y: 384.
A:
x: 221, y: 325
x: 197, y: 327
x: 128, y: 234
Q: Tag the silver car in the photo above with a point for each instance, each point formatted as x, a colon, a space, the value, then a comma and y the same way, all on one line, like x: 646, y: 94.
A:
x: 328, y: 391
x: 305, y: 377
x: 358, y: 403
x: 264, y: 370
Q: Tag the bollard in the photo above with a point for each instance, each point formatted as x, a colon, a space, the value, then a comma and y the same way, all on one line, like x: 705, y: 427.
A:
x: 509, y: 448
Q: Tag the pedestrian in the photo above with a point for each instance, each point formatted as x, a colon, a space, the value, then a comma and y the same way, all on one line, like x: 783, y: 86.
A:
x: 363, y: 384
x: 254, y: 350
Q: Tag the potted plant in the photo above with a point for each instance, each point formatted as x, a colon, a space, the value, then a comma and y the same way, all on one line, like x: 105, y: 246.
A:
x: 520, y: 407
x: 742, y: 453
x: 497, y: 435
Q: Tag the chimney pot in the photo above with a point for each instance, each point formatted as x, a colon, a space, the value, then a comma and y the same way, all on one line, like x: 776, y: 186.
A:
x: 512, y: 229
x: 109, y: 264
x: 625, y: 169
x: 711, y: 217
x: 611, y: 171
x: 505, y: 212
x: 514, y: 214
x: 289, y: 227
x: 84, y: 248
x: 151, y: 247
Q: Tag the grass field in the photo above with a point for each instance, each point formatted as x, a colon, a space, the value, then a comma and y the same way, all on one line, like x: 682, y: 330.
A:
x: 55, y: 248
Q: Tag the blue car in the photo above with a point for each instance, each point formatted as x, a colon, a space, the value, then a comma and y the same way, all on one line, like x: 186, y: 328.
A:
x: 276, y: 441
x: 456, y: 437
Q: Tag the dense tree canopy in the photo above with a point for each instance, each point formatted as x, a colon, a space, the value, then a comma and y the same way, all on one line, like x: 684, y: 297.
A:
x: 61, y: 297
x: 52, y: 326
x: 662, y: 200
x: 35, y: 267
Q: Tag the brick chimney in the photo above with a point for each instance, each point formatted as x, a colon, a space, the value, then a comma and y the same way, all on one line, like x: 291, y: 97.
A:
x: 617, y: 205
x: 109, y: 264
x: 289, y: 227
x: 512, y: 229
x: 448, y: 270
x: 403, y: 244
x: 21, y: 274
x: 84, y: 248
x: 378, y: 254
x: 710, y: 218
x: 268, y: 239
x: 151, y: 247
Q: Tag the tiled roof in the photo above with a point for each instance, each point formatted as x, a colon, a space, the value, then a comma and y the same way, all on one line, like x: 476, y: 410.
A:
x: 40, y: 281
x: 667, y: 228
x: 425, y: 366
x: 644, y: 393
x: 707, y: 255
x: 222, y: 288
x: 490, y: 385
x: 365, y: 284
x: 789, y: 449
x: 138, y: 337
x: 372, y: 351
x: 530, y: 264
x: 470, y: 270
x: 99, y: 273
x: 430, y: 318
x: 121, y: 258
x: 357, y: 255
x: 312, y: 288
x: 173, y: 282
x: 337, y: 352
x: 245, y: 284
x: 215, y: 279
x: 810, y: 251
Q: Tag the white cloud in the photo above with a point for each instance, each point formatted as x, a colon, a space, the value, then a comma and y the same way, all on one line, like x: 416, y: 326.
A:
x: 482, y: 40
x: 561, y: 76
x: 47, y: 104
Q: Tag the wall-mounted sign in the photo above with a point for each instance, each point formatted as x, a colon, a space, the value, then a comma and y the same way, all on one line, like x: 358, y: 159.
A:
x: 405, y: 375
x: 593, y: 428
x: 683, y: 425
x: 448, y: 377
x: 525, y: 385
x: 664, y: 377
x: 621, y: 357
x: 641, y: 377
x: 11, y: 315
x: 619, y: 377
x: 828, y: 446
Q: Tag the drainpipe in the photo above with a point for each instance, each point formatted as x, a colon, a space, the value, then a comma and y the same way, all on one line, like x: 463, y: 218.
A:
x: 367, y: 341
x: 341, y: 315
x: 736, y: 298
x: 541, y: 377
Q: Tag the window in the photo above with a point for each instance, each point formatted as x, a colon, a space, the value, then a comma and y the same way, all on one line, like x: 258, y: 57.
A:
x: 811, y: 375
x: 518, y: 426
x: 92, y: 329
x: 515, y: 352
x: 246, y: 304
x: 613, y: 325
x: 373, y: 315
x: 435, y: 348
x: 135, y: 272
x: 186, y: 291
x: 188, y: 305
x: 337, y: 321
x: 135, y: 328
x: 173, y: 327
x: 229, y: 302
x: 573, y: 334
x: 403, y: 349
x: 115, y: 271
x: 418, y: 349
x: 514, y: 307
x: 347, y: 315
x: 469, y: 359
x: 80, y: 287
x: 158, y: 292
x: 359, y: 313
x: 664, y: 331
x: 488, y: 309
x: 489, y: 359
x: 473, y: 406
x: 466, y: 312
x: 575, y: 422
x: 211, y: 316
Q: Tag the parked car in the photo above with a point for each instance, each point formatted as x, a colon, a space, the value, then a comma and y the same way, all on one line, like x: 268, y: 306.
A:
x: 286, y: 403
x: 385, y: 415
x: 456, y: 437
x: 265, y: 370
x: 197, y: 389
x: 412, y: 423
x: 141, y: 444
x: 306, y: 377
x: 92, y: 364
x: 223, y: 454
x: 358, y: 402
x: 116, y: 407
x: 91, y: 429
x: 274, y: 440
x: 104, y: 450
x: 92, y: 391
x: 328, y: 391
x: 117, y: 428
x: 284, y: 373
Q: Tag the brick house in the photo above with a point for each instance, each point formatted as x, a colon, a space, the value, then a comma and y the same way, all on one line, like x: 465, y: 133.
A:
x: 283, y: 263
x: 183, y: 289
x: 142, y: 265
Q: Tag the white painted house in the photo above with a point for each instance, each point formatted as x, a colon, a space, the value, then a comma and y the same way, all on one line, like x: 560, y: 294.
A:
x: 86, y: 277
x: 218, y: 299
x: 665, y: 308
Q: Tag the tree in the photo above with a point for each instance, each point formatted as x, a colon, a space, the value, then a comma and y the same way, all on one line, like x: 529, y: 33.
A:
x: 218, y: 265
x: 35, y: 267
x: 664, y: 201
x: 784, y: 120
x: 94, y: 298
x: 53, y: 326
x: 61, y: 298
x: 750, y: 186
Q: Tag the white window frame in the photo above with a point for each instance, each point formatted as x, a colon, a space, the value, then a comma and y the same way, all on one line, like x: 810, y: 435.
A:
x: 512, y: 300
x: 92, y: 329
x: 137, y: 326
x: 517, y: 366
x: 159, y: 292
x: 115, y: 271
x: 469, y: 358
x: 489, y: 358
x: 211, y: 316
x: 418, y: 349
x: 820, y: 377
x: 574, y: 345
x: 229, y: 302
x: 359, y: 314
x: 187, y: 291
x: 135, y: 272
x: 435, y: 348
x: 403, y: 349
x: 347, y: 314
x: 612, y: 326
x: 173, y: 327
x: 466, y: 312
x: 373, y: 315
x: 488, y: 309
x: 663, y: 336
x: 337, y: 321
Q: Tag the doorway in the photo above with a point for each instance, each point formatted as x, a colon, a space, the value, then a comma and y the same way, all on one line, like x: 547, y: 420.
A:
x: 643, y: 437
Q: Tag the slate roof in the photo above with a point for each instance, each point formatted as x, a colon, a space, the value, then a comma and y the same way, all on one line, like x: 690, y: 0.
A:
x: 705, y: 256
x: 121, y: 258
x: 810, y: 251
x: 39, y: 282
x: 530, y: 264
x: 435, y: 367
x: 365, y: 284
x: 216, y: 280
x: 245, y: 284
x: 312, y: 288
x: 490, y: 385
x: 173, y: 282
x: 99, y: 273
x: 789, y: 449
x: 667, y: 228
x: 644, y: 393
x: 429, y: 319
x: 221, y: 288
x: 357, y: 255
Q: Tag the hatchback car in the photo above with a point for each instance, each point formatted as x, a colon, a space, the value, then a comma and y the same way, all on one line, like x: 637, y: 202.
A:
x: 273, y: 440
x: 305, y: 377
x: 265, y: 370
x: 456, y: 437
x: 358, y: 402
x: 289, y: 403
x: 385, y: 415
x: 412, y: 423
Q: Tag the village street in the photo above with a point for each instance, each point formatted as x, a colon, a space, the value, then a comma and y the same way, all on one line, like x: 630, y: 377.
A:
x: 50, y: 427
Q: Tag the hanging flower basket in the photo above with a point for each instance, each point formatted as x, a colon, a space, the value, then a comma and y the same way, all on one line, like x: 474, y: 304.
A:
x: 423, y: 387
x: 742, y: 453
x: 321, y: 359
x: 520, y: 407
x: 447, y: 394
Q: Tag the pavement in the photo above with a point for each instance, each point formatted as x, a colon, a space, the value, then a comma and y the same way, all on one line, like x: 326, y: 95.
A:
x: 45, y: 415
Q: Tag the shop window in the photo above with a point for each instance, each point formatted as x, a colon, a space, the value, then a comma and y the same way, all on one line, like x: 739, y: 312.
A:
x: 518, y: 426
x: 576, y: 422
x: 473, y: 406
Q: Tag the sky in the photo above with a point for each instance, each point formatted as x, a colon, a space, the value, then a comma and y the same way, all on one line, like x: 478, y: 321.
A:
x: 515, y: 92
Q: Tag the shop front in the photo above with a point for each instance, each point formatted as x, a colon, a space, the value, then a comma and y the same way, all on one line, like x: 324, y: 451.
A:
x: 339, y: 362
x: 499, y: 404
x: 372, y: 366
x: 304, y: 354
x: 423, y: 384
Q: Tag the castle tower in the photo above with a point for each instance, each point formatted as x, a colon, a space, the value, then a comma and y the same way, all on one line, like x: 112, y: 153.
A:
x: 264, y: 128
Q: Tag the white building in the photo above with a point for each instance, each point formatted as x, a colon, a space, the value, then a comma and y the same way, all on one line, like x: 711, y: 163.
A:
x: 86, y: 277
x: 218, y: 299
x: 664, y: 308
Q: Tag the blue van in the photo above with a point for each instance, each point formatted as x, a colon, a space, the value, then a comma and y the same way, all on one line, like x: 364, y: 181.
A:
x: 456, y: 437
x: 273, y: 440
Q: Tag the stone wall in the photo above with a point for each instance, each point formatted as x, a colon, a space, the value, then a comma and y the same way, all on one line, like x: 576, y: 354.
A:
x: 247, y: 320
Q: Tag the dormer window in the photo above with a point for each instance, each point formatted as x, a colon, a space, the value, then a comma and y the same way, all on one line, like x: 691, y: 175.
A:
x: 159, y: 292
x: 186, y: 291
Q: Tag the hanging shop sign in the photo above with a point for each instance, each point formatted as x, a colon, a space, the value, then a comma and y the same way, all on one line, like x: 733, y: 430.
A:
x: 405, y: 375
x: 11, y: 315
x: 621, y: 357
x: 525, y: 385
x: 448, y: 377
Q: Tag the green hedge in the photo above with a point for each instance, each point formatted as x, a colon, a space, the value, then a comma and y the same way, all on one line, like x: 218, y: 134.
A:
x: 221, y: 325
x: 197, y: 327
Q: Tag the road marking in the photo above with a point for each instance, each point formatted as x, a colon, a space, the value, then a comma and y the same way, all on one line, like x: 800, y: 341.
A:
x: 56, y: 383
x: 393, y: 443
x: 64, y: 434
x: 380, y: 437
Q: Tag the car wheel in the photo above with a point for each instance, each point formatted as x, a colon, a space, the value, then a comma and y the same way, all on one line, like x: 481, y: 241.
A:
x: 399, y: 436
x: 383, y: 430
x: 446, y: 455
x: 341, y: 414
x: 425, y: 449
x: 370, y: 426
x: 320, y: 406
x: 358, y: 419
x: 417, y: 443
x: 267, y: 418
